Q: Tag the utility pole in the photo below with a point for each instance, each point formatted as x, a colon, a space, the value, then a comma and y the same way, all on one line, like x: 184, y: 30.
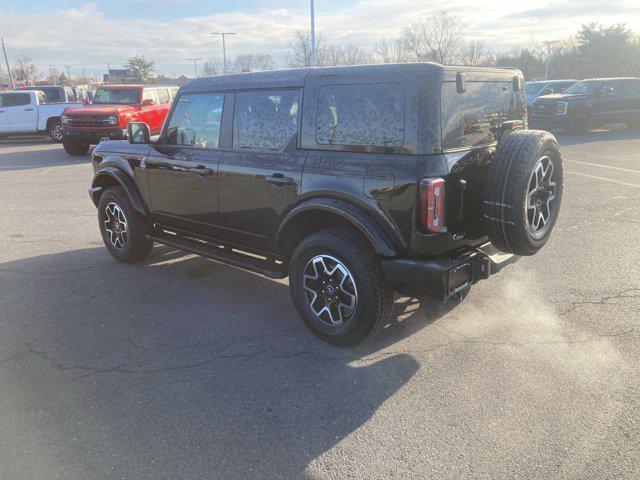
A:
x: 195, y: 64
x: 314, y: 59
x: 4, y: 50
x: 224, y: 48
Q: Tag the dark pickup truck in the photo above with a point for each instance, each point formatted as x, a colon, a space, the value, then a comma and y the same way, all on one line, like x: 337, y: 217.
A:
x: 588, y: 104
x: 354, y: 182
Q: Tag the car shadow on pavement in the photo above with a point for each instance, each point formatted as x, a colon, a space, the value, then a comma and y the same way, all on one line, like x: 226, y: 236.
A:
x: 178, y: 368
x: 621, y: 133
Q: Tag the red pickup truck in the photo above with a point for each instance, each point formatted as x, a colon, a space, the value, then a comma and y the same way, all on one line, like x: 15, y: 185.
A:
x: 113, y: 107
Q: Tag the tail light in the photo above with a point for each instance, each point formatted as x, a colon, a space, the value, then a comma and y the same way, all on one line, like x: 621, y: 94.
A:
x: 432, y: 204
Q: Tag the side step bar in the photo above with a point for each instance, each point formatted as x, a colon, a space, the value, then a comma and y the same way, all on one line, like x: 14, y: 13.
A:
x: 222, y: 254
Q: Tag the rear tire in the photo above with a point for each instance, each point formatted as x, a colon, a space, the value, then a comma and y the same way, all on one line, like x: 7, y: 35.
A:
x: 338, y: 287
x: 75, y: 148
x: 523, y: 192
x: 55, y: 131
x: 578, y: 124
x: 123, y: 230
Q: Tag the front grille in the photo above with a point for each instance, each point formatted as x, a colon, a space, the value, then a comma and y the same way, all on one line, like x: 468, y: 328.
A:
x: 88, y: 121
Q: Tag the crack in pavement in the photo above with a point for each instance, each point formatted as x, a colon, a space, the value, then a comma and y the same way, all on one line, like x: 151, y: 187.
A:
x: 604, y: 300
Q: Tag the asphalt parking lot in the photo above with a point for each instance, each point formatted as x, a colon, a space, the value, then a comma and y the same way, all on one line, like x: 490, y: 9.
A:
x: 182, y: 368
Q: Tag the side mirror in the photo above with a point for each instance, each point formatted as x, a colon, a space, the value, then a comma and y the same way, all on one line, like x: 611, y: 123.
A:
x: 138, y: 132
x: 147, y: 102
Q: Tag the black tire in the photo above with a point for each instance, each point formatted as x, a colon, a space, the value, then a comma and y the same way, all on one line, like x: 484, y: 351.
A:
x: 75, y: 148
x: 132, y: 246
x: 55, y: 131
x: 374, y: 297
x: 633, y: 123
x: 512, y: 225
x: 578, y: 124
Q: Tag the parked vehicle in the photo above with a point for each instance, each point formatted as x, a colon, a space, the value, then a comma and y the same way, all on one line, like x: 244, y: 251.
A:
x: 55, y: 93
x: 27, y: 112
x: 590, y: 103
x: 112, y: 109
x: 353, y: 181
x: 533, y: 90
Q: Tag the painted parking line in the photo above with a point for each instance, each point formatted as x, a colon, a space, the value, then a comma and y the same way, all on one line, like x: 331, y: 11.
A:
x: 601, y: 165
x: 603, y: 178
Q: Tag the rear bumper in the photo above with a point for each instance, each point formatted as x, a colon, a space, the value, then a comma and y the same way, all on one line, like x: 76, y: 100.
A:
x: 445, y: 277
x: 92, y: 136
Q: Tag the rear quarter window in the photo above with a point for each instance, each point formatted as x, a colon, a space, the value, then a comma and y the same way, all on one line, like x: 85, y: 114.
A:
x: 470, y: 118
x: 366, y: 115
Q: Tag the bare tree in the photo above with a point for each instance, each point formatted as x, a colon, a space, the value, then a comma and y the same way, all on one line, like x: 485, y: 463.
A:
x: 299, y: 54
x: 252, y: 62
x: 211, y: 67
x: 348, y: 55
x: 438, y: 38
x: 476, y: 54
x: 392, y: 51
x: 23, y: 67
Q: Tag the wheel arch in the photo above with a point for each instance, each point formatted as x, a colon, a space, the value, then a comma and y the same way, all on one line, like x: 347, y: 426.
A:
x: 52, y: 120
x: 112, y: 177
x: 321, y: 213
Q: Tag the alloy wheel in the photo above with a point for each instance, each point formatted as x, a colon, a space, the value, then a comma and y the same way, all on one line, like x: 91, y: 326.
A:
x: 541, y: 194
x: 56, y: 132
x: 115, y: 224
x: 330, y: 290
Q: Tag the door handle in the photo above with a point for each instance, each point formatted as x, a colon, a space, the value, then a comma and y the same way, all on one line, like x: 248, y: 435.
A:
x: 279, y: 179
x: 28, y: 109
x: 201, y: 170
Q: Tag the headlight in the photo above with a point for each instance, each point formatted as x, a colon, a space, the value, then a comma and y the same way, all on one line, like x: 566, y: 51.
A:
x: 560, y: 108
x: 112, y: 120
x: 64, y: 119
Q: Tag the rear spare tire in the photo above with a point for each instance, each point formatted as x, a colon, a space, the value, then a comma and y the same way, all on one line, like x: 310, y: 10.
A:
x: 523, y: 192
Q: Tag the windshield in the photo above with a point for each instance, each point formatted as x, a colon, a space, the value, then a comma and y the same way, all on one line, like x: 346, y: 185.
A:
x: 531, y: 88
x: 125, y: 96
x: 584, y: 87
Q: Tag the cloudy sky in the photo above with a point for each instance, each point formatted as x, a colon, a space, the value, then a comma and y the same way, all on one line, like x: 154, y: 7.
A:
x: 90, y: 34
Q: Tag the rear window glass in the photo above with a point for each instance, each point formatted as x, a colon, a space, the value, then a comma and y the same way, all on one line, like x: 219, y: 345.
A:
x: 368, y: 115
x: 470, y: 118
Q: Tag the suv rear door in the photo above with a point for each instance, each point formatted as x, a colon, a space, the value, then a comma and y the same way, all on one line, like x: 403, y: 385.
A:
x: 260, y: 176
x: 609, y: 103
x: 631, y: 94
x: 182, y: 167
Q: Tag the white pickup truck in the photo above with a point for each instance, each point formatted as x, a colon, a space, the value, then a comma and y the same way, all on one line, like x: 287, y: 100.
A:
x: 25, y: 112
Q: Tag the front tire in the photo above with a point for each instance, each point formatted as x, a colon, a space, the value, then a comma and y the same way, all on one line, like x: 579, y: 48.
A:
x: 123, y: 230
x: 55, y: 131
x: 338, y: 287
x: 75, y: 148
x: 578, y: 124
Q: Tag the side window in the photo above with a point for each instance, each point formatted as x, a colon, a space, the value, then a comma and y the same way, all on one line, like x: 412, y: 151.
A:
x: 616, y: 88
x: 370, y: 115
x: 163, y: 96
x: 548, y: 90
x: 16, y: 100
x: 265, y: 120
x: 469, y: 118
x: 196, y: 120
x: 564, y: 86
x: 150, y: 94
x: 173, y: 92
x: 632, y: 88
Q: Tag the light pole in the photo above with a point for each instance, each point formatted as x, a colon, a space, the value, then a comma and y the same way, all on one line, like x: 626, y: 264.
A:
x: 195, y: 64
x: 4, y: 50
x: 224, y: 48
x: 314, y: 59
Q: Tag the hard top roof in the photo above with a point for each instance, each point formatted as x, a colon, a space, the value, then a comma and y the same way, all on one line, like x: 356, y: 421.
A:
x: 296, y: 77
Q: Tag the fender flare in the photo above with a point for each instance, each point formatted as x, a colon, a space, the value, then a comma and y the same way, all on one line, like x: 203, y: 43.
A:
x: 125, y: 181
x: 354, y: 215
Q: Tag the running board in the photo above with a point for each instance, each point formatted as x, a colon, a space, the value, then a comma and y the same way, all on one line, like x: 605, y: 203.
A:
x: 222, y: 253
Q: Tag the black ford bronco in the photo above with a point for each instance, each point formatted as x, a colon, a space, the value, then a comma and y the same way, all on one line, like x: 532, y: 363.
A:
x: 588, y: 104
x: 353, y: 181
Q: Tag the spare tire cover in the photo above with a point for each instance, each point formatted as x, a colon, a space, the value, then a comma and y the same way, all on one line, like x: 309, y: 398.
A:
x: 523, y: 192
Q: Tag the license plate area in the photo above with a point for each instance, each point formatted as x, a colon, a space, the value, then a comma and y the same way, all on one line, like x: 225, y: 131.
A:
x: 459, y: 278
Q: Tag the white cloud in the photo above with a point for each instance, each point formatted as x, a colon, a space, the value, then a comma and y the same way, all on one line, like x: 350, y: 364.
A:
x: 85, y: 36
